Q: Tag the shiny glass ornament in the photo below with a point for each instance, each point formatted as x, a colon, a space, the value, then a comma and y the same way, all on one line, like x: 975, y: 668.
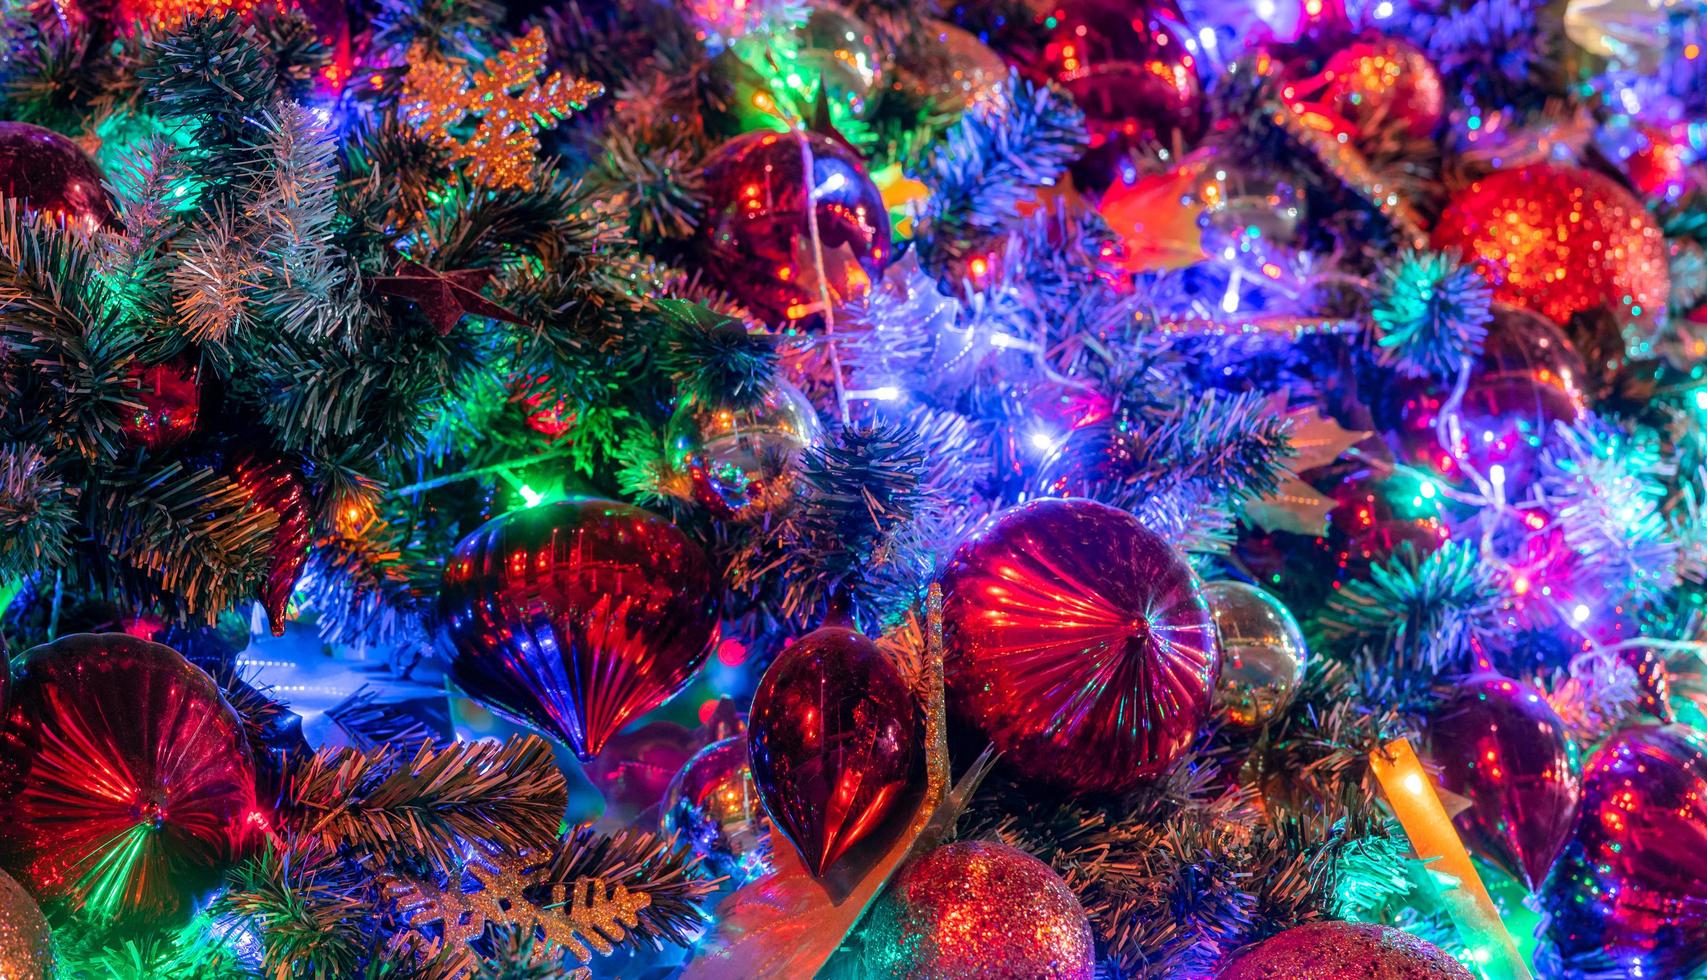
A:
x: 276, y: 485
x: 958, y: 70
x: 1382, y: 82
x: 1127, y: 66
x: 126, y: 783
x: 1498, y: 743
x: 1079, y: 642
x: 1561, y: 240
x: 51, y: 174
x: 1344, y: 951
x: 843, y: 52
x: 758, y: 233
x: 1528, y: 379
x: 168, y: 404
x: 836, y: 745
x: 26, y: 942
x: 741, y: 460
x: 1630, y: 889
x: 713, y: 806
x: 577, y: 617
x: 1262, y: 652
x: 978, y: 909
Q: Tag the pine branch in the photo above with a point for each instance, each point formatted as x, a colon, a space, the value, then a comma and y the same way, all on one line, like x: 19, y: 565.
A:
x: 314, y: 913
x: 1420, y: 612
x: 194, y: 533
x: 715, y: 359
x: 305, y: 286
x: 1432, y: 312
x: 37, y: 516
x: 212, y: 76
x: 993, y: 160
x: 511, y: 795
x: 644, y: 864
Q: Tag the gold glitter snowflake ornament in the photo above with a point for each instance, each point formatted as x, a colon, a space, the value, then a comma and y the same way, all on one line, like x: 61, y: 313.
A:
x: 506, y: 96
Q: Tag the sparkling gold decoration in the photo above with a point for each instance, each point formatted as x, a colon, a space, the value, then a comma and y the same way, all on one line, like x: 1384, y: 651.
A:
x: 506, y: 95
x: 584, y: 917
x: 1562, y: 240
x: 26, y: 944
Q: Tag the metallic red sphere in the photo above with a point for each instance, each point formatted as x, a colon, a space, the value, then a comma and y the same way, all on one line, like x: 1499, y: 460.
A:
x: 51, y: 174
x: 577, y: 617
x: 836, y: 744
x: 126, y: 783
x: 770, y: 194
x: 1080, y: 643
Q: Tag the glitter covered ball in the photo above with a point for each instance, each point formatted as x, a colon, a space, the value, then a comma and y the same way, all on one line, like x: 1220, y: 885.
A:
x: 1262, y: 652
x: 577, y: 617
x: 1561, y: 240
x: 758, y: 232
x: 836, y: 745
x: 1079, y: 642
x: 741, y: 460
x: 26, y: 942
x: 49, y: 173
x: 714, y: 808
x: 1377, y: 84
x: 1499, y: 744
x: 126, y: 783
x: 1631, y: 886
x: 978, y: 909
x: 1344, y: 951
x: 1127, y: 66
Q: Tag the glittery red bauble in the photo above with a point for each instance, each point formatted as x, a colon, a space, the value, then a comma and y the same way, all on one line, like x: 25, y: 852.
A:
x: 169, y: 404
x: 1079, y: 642
x: 49, y: 173
x: 1128, y: 68
x: 1375, y: 83
x: 1631, y: 888
x: 275, y: 485
x: 836, y: 745
x: 758, y: 233
x: 126, y: 785
x: 1498, y: 743
x: 1344, y: 951
x: 1529, y: 378
x: 1561, y: 240
x: 577, y: 617
x: 978, y: 909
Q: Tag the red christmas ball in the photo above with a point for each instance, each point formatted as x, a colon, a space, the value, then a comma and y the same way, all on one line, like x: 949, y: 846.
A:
x: 1344, y: 951
x: 1128, y: 68
x: 1528, y: 379
x: 577, y: 617
x: 277, y: 486
x: 168, y: 404
x: 1499, y: 744
x: 1374, y: 84
x: 979, y: 909
x: 51, y: 174
x: 1631, y: 887
x: 128, y: 783
x: 836, y: 745
x: 1373, y: 517
x: 759, y: 233
x: 1080, y: 643
x: 1561, y: 240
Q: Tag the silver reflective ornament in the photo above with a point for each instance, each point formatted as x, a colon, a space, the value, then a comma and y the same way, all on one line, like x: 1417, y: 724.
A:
x: 740, y: 461
x: 714, y: 807
x: 1262, y: 652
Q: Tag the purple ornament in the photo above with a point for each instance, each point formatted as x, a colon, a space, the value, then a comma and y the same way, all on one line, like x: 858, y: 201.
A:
x: 577, y: 617
x: 758, y: 234
x: 1080, y: 643
x: 836, y: 745
x: 49, y: 173
x: 1499, y: 744
x: 1629, y: 895
x: 1344, y: 951
x: 1529, y: 377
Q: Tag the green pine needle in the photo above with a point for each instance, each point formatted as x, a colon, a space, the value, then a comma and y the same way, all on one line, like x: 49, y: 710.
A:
x: 1432, y: 312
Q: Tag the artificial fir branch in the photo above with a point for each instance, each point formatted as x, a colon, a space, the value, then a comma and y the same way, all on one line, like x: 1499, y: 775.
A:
x: 312, y: 910
x: 715, y: 359
x: 37, y: 513
x: 1432, y: 313
x: 510, y: 794
x: 1420, y: 610
x: 644, y: 864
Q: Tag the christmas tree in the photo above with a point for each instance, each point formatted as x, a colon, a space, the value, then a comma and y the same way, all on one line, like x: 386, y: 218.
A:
x: 851, y: 488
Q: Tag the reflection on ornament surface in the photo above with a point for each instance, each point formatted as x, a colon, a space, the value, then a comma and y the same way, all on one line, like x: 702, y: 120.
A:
x: 1262, y: 652
x: 739, y: 460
